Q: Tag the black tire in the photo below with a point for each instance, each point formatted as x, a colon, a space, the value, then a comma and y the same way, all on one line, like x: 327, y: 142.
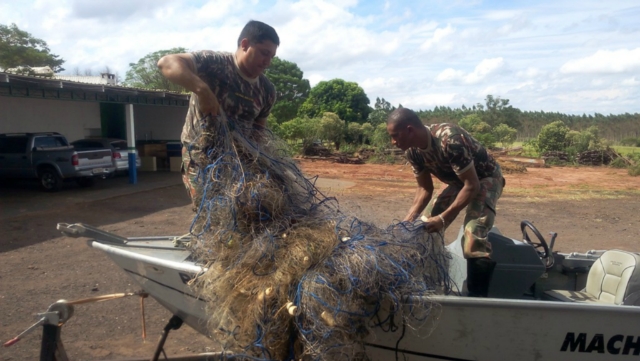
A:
x: 50, y: 180
x: 86, y: 182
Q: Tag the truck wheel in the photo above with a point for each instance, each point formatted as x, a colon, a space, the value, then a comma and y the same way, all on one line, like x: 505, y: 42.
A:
x: 50, y: 180
x: 85, y: 182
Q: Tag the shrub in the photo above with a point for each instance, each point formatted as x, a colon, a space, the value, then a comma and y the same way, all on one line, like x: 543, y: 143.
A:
x: 380, y: 138
x: 634, y: 170
x: 349, y: 148
x: 552, y: 137
x: 618, y: 163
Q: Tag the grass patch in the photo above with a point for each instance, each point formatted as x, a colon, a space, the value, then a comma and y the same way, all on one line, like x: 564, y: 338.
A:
x: 626, y: 150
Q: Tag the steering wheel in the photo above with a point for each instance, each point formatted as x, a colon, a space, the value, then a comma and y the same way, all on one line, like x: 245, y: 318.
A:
x: 540, y: 246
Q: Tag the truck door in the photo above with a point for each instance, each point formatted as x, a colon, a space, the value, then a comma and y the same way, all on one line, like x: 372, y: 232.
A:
x: 14, y: 161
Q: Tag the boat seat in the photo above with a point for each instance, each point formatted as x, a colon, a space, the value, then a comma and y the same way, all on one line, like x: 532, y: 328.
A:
x: 614, y: 278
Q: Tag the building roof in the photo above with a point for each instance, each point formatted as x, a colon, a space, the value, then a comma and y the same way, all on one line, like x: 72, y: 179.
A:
x: 85, y: 79
x: 26, y: 86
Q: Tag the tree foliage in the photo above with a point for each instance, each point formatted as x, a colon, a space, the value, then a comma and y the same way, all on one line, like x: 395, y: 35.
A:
x: 588, y: 139
x: 479, y: 129
x: 19, y: 48
x: 367, y: 130
x: 291, y: 88
x: 552, y: 137
x: 332, y: 128
x: 380, y: 112
x: 505, y: 135
x: 347, y: 99
x: 498, y: 111
x: 146, y: 75
x: 354, y: 133
x: 381, y: 138
x: 302, y: 129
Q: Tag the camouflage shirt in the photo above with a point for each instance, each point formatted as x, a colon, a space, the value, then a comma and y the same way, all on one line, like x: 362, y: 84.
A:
x: 451, y: 152
x: 240, y: 98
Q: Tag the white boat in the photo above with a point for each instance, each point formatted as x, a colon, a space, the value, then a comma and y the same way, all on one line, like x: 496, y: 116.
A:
x: 542, y: 305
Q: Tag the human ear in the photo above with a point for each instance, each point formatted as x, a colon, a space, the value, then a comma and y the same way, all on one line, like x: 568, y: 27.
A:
x: 244, y: 44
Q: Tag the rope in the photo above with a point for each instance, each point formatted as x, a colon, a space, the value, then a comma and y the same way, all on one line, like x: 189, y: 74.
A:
x: 115, y: 296
x: 271, y: 241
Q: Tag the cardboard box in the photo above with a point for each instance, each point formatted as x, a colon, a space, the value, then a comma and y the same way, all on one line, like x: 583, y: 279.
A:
x: 148, y: 164
x: 175, y: 164
x: 155, y: 150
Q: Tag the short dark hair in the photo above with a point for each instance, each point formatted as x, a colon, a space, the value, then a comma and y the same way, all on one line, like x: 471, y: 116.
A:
x: 404, y: 117
x: 257, y: 32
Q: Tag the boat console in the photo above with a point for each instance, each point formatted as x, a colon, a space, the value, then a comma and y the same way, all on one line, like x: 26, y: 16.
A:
x: 518, y: 266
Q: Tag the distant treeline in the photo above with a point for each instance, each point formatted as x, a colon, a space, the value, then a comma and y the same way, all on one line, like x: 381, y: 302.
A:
x: 613, y: 127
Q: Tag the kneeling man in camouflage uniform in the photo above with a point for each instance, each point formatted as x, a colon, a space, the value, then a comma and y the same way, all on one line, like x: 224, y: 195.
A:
x: 473, y: 181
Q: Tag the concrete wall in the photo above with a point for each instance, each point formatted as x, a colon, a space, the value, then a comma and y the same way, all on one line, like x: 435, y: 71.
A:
x: 158, y: 122
x: 75, y: 120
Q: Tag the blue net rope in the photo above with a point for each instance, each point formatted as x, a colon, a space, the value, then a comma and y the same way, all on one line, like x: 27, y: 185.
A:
x: 290, y: 275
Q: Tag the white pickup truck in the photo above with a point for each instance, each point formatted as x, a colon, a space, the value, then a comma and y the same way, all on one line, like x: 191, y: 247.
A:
x: 50, y: 158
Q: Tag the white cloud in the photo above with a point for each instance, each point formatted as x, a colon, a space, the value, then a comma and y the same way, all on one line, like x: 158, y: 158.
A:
x: 592, y: 95
x: 439, y: 38
x: 429, y: 100
x: 450, y: 74
x: 448, y: 53
x: 631, y: 82
x: 530, y: 73
x: 605, y: 61
x: 315, y: 78
x: 483, y: 70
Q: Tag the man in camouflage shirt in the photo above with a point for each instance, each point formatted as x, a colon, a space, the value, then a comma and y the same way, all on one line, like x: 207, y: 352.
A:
x: 220, y: 81
x: 472, y: 178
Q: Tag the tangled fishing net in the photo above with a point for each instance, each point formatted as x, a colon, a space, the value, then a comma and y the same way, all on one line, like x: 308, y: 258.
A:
x: 289, y: 275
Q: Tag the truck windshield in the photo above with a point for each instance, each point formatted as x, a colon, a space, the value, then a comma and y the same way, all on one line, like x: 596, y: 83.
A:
x: 49, y: 142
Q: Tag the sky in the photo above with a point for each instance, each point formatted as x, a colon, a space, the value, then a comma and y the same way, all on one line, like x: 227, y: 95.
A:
x: 563, y: 56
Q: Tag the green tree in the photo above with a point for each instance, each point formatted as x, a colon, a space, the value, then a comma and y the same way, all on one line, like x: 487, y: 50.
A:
x: 19, y: 48
x: 347, y: 99
x: 332, y: 128
x: 469, y: 122
x: 380, y: 112
x: 479, y: 129
x: 367, y: 132
x: 300, y: 129
x: 146, y: 75
x: 381, y: 139
x: 588, y: 139
x: 355, y: 134
x: 500, y: 112
x: 505, y: 134
x: 291, y: 89
x: 552, y: 137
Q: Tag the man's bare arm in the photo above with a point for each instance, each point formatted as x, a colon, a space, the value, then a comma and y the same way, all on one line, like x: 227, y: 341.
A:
x: 180, y: 69
x: 423, y: 195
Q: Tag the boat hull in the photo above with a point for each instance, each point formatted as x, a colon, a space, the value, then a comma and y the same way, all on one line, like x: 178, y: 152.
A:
x: 462, y: 328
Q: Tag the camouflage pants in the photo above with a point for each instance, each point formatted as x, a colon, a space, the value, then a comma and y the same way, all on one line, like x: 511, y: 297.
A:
x: 189, y: 172
x: 479, y: 217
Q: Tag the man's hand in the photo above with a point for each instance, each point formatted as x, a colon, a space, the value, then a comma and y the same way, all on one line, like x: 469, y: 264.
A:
x: 208, y: 103
x: 433, y: 224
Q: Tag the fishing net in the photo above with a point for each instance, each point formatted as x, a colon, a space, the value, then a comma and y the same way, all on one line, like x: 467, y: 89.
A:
x: 289, y: 275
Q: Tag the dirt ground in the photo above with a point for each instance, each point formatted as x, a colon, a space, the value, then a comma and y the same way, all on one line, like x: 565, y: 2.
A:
x: 590, y: 208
